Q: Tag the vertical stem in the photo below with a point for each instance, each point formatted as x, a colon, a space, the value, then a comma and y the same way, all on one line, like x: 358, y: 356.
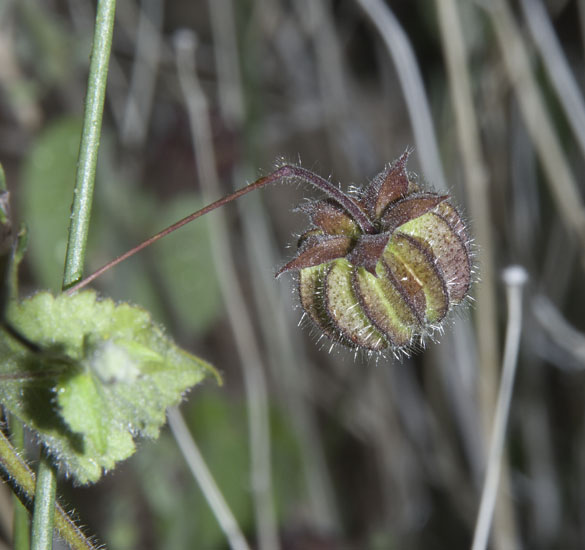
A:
x: 44, y: 506
x: 514, y: 277
x: 20, y: 538
x: 90, y: 140
x: 204, y: 478
x: 46, y: 486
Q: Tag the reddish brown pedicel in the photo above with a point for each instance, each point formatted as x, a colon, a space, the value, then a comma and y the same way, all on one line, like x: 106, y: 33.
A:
x: 388, y: 288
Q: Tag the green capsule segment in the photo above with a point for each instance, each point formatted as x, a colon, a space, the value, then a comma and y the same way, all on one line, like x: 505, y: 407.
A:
x: 311, y: 294
x: 409, y: 286
x: 445, y: 238
x: 447, y: 211
x: 419, y: 261
x: 452, y: 258
x: 385, y: 305
x: 345, y: 311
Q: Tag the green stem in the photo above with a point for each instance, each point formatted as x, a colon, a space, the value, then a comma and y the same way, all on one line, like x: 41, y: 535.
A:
x: 78, y: 230
x: 44, y: 506
x: 90, y: 141
x: 20, y: 537
x: 21, y: 478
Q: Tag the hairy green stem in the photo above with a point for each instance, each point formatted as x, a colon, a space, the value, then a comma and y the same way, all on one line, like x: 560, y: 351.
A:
x: 21, y: 478
x: 16, y: 472
x: 90, y: 140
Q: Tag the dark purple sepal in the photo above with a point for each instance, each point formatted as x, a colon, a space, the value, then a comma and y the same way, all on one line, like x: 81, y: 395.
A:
x: 318, y: 250
x: 388, y: 186
x: 368, y: 251
x: 309, y: 237
x: 330, y: 217
x: 410, y: 208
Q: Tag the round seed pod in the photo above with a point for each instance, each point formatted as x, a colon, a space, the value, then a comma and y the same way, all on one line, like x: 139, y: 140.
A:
x: 386, y: 283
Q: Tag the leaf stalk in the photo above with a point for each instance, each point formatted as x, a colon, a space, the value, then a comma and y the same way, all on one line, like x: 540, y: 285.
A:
x: 287, y: 171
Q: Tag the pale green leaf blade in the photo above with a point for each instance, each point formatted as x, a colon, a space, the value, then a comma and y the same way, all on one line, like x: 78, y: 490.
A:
x: 105, y: 374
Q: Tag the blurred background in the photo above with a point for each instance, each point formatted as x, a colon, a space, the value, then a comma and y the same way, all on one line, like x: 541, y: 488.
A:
x: 315, y: 448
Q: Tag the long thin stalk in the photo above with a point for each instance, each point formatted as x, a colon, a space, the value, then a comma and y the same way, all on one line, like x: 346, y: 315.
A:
x: 203, y: 476
x: 514, y: 277
x: 285, y: 172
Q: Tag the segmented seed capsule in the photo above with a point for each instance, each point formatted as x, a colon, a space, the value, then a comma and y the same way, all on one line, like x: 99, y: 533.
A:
x: 387, y: 277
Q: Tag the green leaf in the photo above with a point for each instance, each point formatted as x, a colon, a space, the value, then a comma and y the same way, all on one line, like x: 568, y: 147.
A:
x: 106, y: 373
x: 81, y: 393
